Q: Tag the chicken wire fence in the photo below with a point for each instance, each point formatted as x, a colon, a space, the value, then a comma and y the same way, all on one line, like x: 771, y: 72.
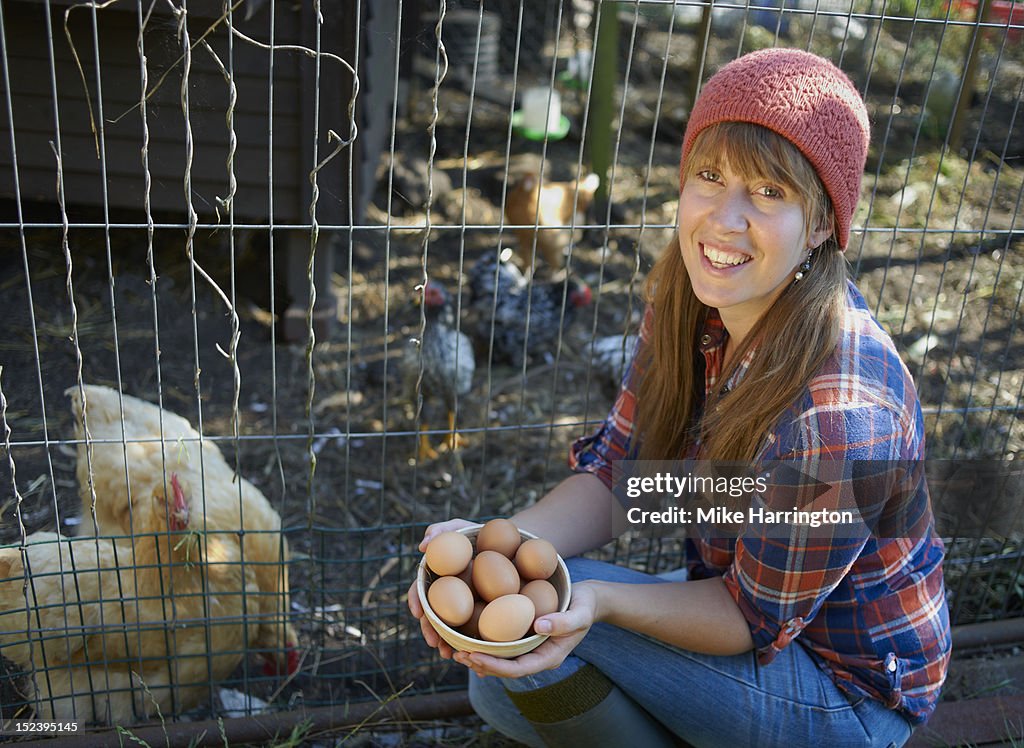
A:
x: 231, y: 211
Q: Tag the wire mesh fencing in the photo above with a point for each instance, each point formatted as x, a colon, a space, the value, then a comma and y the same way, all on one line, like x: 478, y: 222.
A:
x: 232, y: 213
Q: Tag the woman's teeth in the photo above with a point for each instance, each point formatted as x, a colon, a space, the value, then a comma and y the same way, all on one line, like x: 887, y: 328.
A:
x: 724, y: 259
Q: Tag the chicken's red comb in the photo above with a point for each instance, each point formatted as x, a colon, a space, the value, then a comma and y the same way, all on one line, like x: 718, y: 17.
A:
x: 180, y: 510
x: 433, y: 294
x: 581, y: 296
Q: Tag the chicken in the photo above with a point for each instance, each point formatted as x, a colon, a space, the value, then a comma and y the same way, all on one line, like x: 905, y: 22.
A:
x: 540, y: 204
x: 155, y: 438
x: 498, y: 287
x: 445, y: 358
x: 113, y: 630
x: 610, y: 357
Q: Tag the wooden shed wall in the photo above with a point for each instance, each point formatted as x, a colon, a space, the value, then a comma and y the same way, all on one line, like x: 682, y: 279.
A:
x: 36, y: 112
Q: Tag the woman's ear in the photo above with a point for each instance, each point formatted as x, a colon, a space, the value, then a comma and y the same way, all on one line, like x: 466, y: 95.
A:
x: 818, y: 236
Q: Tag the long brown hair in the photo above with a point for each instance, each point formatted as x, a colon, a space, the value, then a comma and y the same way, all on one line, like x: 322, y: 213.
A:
x: 792, y: 339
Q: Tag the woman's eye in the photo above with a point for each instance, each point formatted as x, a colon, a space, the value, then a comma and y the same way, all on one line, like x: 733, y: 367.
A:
x: 771, y: 191
x: 709, y: 175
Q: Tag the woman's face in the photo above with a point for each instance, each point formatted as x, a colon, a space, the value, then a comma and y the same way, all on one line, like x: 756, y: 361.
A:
x: 742, y: 240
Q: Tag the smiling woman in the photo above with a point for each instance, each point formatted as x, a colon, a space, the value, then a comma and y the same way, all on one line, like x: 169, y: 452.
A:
x: 744, y: 229
x: 755, y: 348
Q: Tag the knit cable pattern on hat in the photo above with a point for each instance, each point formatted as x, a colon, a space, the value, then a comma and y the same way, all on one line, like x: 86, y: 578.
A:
x: 807, y: 100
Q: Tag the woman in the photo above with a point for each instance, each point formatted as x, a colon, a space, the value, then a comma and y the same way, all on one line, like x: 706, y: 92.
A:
x: 755, y: 348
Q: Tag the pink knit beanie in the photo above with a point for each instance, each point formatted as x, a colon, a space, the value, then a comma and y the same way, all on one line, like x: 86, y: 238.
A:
x: 807, y: 100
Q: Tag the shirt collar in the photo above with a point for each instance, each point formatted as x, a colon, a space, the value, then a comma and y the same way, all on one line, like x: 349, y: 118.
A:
x: 712, y: 344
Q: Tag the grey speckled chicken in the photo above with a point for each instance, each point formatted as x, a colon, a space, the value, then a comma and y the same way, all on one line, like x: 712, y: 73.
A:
x: 447, y: 367
x: 610, y: 357
x: 500, y: 287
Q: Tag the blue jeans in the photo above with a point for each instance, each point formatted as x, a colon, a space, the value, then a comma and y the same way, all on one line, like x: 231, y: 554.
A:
x: 706, y: 700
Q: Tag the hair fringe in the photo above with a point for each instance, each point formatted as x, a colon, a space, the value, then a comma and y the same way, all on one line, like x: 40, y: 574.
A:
x: 793, y: 338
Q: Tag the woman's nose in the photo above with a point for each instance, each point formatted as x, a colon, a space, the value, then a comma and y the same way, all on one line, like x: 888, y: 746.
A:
x: 730, y: 211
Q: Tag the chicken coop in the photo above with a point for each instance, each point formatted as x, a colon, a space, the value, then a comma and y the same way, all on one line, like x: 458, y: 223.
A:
x: 283, y: 284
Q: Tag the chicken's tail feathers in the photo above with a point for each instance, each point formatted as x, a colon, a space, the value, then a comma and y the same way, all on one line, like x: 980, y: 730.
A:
x: 589, y: 184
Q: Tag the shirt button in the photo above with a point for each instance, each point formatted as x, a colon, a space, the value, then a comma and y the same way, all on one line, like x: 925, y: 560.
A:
x: 705, y: 339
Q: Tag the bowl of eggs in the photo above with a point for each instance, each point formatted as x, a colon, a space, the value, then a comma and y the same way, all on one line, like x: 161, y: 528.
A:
x: 483, y: 586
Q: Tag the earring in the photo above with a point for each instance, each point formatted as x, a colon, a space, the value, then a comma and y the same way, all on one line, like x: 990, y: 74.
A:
x: 804, y: 267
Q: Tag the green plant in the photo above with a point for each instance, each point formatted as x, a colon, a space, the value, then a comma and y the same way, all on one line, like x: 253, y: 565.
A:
x: 934, y: 9
x: 299, y: 733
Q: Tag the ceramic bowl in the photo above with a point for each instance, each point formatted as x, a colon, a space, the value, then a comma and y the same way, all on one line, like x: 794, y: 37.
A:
x: 560, y: 579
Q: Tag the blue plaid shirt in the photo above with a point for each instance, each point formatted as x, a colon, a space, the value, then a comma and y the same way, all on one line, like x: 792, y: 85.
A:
x: 870, y: 609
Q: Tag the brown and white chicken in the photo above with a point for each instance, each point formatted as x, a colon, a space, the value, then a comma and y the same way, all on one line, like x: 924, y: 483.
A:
x: 545, y: 211
x: 113, y: 630
x: 131, y: 443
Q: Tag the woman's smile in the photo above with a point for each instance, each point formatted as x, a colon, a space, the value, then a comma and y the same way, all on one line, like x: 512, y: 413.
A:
x: 722, y: 258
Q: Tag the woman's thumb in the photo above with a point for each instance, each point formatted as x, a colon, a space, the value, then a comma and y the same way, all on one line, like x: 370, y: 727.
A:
x: 560, y: 624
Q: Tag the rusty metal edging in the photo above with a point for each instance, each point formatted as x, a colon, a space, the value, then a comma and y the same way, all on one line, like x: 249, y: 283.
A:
x: 265, y: 727
x: 1002, y: 633
x: 989, y: 720
x: 262, y: 728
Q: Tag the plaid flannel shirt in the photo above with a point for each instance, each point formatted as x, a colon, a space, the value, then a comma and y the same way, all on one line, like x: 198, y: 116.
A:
x: 871, y: 610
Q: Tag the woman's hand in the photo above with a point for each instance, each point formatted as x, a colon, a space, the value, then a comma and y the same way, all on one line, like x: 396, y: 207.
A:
x: 415, y: 607
x: 437, y: 528
x: 566, y: 630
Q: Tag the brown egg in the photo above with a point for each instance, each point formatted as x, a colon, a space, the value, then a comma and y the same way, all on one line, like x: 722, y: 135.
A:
x: 499, y: 535
x: 472, y: 627
x: 536, y: 559
x: 449, y: 553
x: 451, y: 599
x: 494, y: 576
x: 506, y: 619
x: 543, y: 594
x: 466, y: 575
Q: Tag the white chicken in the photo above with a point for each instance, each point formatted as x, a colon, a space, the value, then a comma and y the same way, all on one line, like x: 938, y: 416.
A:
x: 154, y: 439
x: 114, y: 629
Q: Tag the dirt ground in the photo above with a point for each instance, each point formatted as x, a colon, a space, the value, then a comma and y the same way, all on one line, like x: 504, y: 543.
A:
x: 950, y: 296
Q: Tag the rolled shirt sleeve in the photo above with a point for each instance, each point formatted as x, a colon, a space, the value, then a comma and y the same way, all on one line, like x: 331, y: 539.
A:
x: 782, y: 574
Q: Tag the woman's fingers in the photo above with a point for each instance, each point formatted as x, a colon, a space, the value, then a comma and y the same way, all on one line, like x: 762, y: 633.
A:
x: 430, y: 636
x: 547, y: 656
x: 413, y: 599
x: 563, y: 624
x: 579, y: 617
x: 438, y: 527
x: 566, y: 631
